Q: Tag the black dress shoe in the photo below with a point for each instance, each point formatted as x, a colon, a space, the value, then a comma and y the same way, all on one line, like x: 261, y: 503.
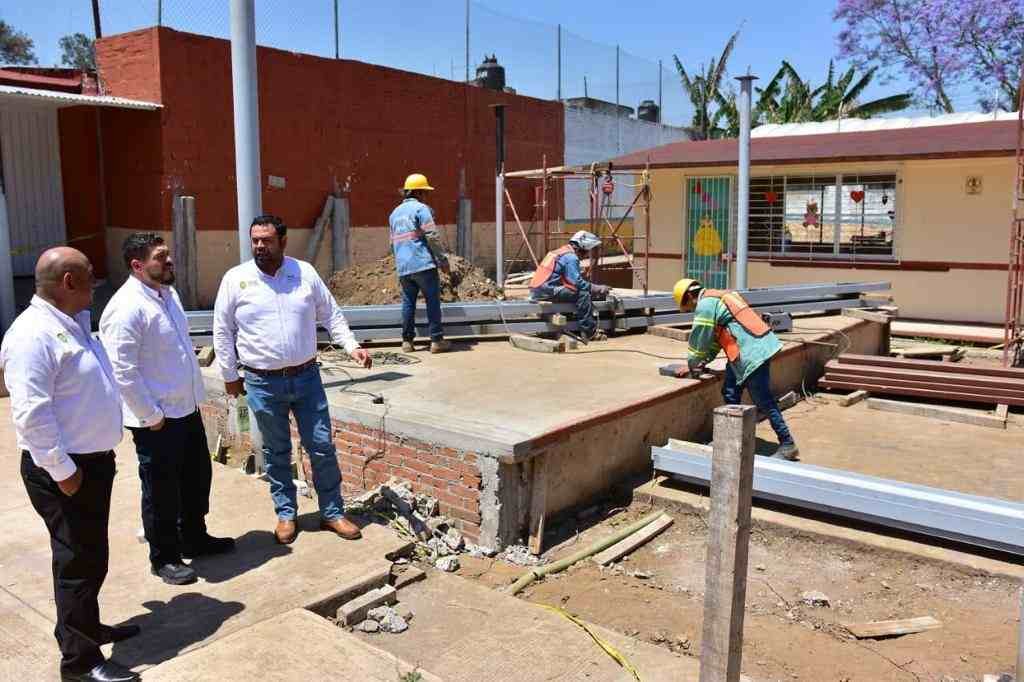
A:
x: 116, y: 633
x: 174, y: 574
x: 108, y: 671
x: 207, y: 546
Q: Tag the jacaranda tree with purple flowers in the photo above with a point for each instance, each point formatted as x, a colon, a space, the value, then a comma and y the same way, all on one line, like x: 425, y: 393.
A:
x: 939, y: 45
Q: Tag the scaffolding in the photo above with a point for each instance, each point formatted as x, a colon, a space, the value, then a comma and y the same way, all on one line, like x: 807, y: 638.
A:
x: 539, y: 236
x: 1013, y: 340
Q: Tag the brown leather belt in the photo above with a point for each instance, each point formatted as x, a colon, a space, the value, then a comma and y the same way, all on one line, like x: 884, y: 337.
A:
x: 283, y: 372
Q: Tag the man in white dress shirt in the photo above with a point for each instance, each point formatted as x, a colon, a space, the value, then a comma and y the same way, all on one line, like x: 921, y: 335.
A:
x: 145, y: 333
x: 264, y: 322
x: 67, y: 418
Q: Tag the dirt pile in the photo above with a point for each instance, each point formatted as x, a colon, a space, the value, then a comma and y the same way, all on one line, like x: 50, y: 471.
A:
x: 376, y: 283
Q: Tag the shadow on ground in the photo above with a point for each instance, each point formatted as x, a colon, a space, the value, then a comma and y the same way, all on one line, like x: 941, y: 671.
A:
x: 252, y: 550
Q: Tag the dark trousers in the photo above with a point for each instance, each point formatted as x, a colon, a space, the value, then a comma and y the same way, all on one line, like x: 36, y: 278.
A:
x: 582, y: 299
x: 429, y: 282
x: 78, y: 539
x: 759, y: 384
x: 175, y: 470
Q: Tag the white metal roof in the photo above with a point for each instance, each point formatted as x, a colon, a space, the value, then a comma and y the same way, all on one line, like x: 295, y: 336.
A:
x: 50, y: 98
x: 856, y: 125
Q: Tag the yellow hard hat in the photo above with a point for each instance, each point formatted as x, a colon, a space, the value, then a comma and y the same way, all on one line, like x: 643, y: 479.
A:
x: 417, y: 181
x: 682, y: 287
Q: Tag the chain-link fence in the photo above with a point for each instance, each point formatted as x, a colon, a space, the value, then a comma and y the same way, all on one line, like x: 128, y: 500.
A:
x: 449, y: 39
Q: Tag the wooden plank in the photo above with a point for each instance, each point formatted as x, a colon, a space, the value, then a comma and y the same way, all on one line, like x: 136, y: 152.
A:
x: 925, y: 351
x: 879, y: 361
x: 637, y: 539
x: 956, y: 332
x: 890, y: 628
x: 538, y: 504
x: 852, y: 398
x: 923, y: 375
x: 319, y: 228
x: 1003, y: 412
x: 1020, y: 639
x: 339, y: 234
x: 668, y: 332
x: 880, y: 388
x: 869, y: 315
x: 951, y: 414
x: 725, y: 580
x: 951, y: 387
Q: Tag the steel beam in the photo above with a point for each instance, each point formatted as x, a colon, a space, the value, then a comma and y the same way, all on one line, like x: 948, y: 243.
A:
x: 980, y: 521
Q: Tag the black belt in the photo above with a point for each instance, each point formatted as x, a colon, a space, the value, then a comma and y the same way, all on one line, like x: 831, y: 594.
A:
x: 284, y: 371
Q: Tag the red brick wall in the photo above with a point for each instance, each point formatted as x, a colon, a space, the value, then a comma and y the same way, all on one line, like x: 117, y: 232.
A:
x: 323, y: 121
x: 79, y: 167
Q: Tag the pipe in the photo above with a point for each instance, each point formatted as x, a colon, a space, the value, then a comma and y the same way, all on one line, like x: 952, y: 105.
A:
x: 743, y: 191
x: 499, y: 196
x: 245, y: 91
x: 562, y: 564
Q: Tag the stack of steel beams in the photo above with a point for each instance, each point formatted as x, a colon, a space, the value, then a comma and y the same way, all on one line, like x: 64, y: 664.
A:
x: 383, y: 322
x: 925, y: 379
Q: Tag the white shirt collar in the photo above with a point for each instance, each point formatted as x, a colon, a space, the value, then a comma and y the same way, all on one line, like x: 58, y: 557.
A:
x: 81, y: 322
x: 287, y: 267
x: 148, y: 290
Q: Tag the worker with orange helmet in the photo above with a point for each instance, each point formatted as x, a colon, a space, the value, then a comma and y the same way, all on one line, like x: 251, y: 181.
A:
x: 419, y: 253
x: 723, y: 320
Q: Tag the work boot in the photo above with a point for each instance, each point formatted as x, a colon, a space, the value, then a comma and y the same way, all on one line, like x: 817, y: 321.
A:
x: 787, y: 451
x: 442, y: 346
x: 207, y: 546
x: 175, y: 574
x: 286, y: 531
x: 342, y: 527
x: 598, y: 335
x: 407, y: 347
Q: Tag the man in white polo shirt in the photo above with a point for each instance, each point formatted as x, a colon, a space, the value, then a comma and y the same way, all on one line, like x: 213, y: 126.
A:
x: 264, y: 321
x: 145, y: 333
x: 67, y: 418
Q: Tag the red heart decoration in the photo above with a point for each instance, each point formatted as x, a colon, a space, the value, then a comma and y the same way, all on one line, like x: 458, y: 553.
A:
x: 771, y: 197
x: 857, y: 195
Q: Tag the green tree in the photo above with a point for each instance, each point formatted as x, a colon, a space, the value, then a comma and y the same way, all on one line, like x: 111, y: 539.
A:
x: 705, y: 92
x: 78, y: 51
x: 15, y: 46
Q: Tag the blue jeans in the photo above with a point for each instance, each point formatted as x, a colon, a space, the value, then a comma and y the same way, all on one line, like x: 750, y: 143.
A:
x: 429, y: 283
x: 759, y: 384
x: 585, y: 322
x: 270, y: 400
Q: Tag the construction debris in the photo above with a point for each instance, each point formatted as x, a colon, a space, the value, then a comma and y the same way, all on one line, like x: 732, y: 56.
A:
x: 816, y: 598
x: 536, y: 344
x: 949, y: 414
x: 891, y: 628
x: 376, y: 283
x: 521, y: 556
x: 448, y: 564
x: 628, y: 544
x: 357, y: 610
x: 407, y: 577
x: 205, y: 356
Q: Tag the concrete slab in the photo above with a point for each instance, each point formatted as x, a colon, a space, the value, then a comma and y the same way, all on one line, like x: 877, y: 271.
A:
x: 304, y: 647
x: 260, y: 580
x: 472, y: 633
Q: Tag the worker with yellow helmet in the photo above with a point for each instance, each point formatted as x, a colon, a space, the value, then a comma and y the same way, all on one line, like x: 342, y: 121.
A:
x: 419, y: 253
x: 723, y: 320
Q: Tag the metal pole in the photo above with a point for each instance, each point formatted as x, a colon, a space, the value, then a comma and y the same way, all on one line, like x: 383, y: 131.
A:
x: 743, y: 191
x: 337, y: 42
x: 499, y: 196
x: 97, y: 29
x: 467, y: 49
x: 160, y: 12
x: 660, y: 78
x: 247, y: 124
x: 1020, y: 639
x: 559, y: 62
x: 618, y: 129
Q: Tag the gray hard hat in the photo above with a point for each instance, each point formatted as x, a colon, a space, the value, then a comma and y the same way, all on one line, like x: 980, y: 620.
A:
x: 586, y: 241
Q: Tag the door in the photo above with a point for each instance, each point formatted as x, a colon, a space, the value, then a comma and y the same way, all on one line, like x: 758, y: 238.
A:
x: 30, y: 149
x: 708, y: 207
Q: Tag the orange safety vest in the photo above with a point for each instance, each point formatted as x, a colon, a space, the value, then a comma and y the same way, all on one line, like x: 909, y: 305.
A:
x: 547, y: 266
x: 747, y: 318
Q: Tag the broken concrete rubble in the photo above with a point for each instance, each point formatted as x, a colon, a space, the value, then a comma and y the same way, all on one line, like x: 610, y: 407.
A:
x: 448, y: 564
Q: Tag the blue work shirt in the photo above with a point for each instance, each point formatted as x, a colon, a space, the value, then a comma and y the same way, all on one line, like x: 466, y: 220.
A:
x: 412, y: 224
x: 567, y: 271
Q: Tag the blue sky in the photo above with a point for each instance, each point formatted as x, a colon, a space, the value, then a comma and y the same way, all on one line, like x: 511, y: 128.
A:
x: 429, y: 37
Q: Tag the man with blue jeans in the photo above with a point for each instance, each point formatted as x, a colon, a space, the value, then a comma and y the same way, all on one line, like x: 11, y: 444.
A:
x: 418, y: 255
x: 559, y: 279
x: 264, y: 322
x: 723, y: 320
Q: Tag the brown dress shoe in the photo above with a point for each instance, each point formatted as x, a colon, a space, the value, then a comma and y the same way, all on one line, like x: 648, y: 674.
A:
x: 286, y: 531
x: 342, y: 527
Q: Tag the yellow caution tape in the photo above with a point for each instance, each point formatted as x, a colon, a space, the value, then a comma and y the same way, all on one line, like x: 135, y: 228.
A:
x: 607, y: 647
x: 40, y: 247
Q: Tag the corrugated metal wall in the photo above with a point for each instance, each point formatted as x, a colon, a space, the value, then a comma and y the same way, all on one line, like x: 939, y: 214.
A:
x: 30, y: 147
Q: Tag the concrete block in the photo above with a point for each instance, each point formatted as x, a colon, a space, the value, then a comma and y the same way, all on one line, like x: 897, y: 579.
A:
x: 205, y: 356
x: 536, y: 344
x: 409, y: 576
x: 667, y: 332
x: 853, y: 398
x: 356, y: 610
x: 951, y: 414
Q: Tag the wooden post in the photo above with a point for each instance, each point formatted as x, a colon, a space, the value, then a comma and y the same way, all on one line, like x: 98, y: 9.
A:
x: 725, y: 582
x: 186, y: 252
x: 464, y: 230
x: 1020, y: 639
x: 339, y: 234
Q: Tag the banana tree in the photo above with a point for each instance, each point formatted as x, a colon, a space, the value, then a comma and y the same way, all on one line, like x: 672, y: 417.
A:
x: 705, y: 90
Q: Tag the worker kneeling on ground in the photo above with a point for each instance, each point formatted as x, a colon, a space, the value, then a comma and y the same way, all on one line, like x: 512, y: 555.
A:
x: 723, y: 320
x: 558, y: 279
x: 418, y: 256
